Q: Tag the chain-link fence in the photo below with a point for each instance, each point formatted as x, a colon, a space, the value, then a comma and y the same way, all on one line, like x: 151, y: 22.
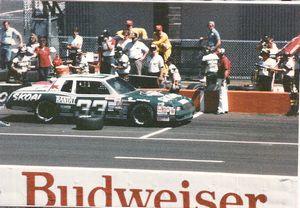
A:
x: 186, y: 54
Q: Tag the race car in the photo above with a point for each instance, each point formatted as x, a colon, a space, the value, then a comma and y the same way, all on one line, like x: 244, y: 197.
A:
x: 90, y: 94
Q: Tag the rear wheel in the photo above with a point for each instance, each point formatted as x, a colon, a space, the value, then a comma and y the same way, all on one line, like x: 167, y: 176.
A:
x: 142, y: 115
x: 46, y: 111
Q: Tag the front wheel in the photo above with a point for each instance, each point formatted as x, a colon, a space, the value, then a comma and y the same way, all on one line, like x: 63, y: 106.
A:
x: 46, y: 111
x: 142, y: 115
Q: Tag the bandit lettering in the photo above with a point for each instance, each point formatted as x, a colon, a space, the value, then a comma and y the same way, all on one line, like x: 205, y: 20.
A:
x: 65, y: 100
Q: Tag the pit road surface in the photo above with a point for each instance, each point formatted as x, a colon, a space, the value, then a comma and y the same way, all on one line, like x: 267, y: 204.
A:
x: 231, y: 143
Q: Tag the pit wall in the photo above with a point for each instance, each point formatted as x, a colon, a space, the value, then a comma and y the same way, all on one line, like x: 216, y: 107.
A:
x: 240, y: 101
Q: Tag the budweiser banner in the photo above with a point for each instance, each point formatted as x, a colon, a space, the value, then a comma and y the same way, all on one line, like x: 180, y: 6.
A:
x: 87, y: 187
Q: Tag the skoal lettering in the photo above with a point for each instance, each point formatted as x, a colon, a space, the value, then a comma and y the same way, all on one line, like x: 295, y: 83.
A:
x: 60, y: 195
x: 26, y: 96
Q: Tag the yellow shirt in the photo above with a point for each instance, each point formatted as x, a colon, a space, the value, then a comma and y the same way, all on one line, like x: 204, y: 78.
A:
x: 162, y: 41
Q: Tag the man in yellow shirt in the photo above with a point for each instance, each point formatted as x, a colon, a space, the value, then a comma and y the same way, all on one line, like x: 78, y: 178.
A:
x: 161, y: 40
x: 142, y: 33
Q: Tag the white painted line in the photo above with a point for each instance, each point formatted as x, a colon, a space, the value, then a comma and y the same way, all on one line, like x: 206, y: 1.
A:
x: 71, y: 136
x: 156, y: 132
x: 168, y: 159
x: 166, y: 129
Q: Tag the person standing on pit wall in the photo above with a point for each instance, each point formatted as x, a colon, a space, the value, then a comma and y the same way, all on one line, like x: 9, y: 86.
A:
x: 161, y: 40
x: 7, y: 40
x: 223, y: 74
x: 137, y: 52
x: 129, y: 25
x: 74, y: 46
x: 213, y: 37
x: 44, y: 59
x: 106, y: 52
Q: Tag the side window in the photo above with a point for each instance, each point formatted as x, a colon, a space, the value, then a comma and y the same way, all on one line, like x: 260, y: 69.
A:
x: 67, y: 86
x: 91, y: 87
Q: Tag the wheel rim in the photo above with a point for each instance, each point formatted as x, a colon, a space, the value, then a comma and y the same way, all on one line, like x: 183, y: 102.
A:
x: 141, y: 115
x: 45, y: 111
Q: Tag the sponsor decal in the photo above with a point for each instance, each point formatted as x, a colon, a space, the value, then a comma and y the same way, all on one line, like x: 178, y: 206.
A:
x: 26, y: 96
x: 104, y: 187
x: 65, y: 100
x: 57, y: 194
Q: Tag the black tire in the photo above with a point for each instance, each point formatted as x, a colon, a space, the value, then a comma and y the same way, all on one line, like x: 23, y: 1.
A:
x: 142, y: 115
x: 46, y: 111
x: 89, y: 123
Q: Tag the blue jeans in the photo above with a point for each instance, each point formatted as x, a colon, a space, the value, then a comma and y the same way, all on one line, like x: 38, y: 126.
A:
x: 43, y: 73
x: 5, y: 56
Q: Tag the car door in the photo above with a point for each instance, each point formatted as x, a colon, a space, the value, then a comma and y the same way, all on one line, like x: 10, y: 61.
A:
x: 90, y: 97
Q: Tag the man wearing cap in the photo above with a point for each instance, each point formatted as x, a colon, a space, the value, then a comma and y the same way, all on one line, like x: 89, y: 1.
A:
x: 137, y: 52
x: 7, y: 35
x: 266, y: 74
x: 142, y: 33
x: 223, y: 73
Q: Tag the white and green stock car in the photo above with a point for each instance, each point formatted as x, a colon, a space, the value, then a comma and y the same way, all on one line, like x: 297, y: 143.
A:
x: 76, y: 95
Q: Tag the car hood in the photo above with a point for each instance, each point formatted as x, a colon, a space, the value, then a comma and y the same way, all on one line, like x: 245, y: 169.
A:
x: 156, y: 97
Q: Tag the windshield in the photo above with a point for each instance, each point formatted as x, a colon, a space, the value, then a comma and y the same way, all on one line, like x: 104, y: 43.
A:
x: 120, y: 85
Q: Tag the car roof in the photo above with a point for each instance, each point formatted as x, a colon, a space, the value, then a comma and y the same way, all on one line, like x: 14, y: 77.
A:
x: 92, y: 76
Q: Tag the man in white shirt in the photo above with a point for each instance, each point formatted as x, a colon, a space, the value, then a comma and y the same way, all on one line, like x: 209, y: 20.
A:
x: 7, y: 40
x: 266, y: 74
x: 74, y: 45
x: 155, y: 64
x: 137, y: 52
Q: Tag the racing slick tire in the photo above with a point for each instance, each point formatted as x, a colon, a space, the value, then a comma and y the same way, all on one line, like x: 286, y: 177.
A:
x: 142, y: 114
x: 46, y: 111
x: 89, y: 123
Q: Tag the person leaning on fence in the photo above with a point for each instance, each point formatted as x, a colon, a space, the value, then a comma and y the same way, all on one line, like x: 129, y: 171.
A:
x: 266, y: 72
x: 129, y: 25
x: 7, y: 40
x: 74, y: 46
x: 137, y: 52
x: 223, y: 74
x: 106, y: 51
x: 213, y: 37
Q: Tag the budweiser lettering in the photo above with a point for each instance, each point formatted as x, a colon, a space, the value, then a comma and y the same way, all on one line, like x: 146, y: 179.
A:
x: 106, y: 194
